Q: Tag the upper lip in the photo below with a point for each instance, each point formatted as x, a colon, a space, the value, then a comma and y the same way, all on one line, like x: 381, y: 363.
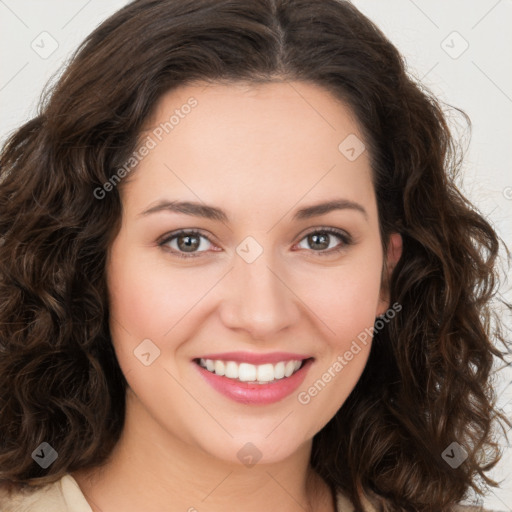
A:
x: 255, y: 358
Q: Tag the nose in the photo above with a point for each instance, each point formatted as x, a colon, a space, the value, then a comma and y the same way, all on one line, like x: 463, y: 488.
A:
x: 258, y: 299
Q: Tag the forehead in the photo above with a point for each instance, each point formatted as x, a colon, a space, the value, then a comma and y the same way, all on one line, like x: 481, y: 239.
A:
x: 273, y: 141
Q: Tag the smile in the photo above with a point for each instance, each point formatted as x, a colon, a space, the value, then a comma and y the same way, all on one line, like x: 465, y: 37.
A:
x: 253, y: 383
x: 254, y: 374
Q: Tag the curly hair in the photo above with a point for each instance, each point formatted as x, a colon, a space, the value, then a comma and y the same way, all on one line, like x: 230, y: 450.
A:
x: 427, y: 382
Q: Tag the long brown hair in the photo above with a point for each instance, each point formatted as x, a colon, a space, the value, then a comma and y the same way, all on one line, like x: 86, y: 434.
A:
x: 427, y: 382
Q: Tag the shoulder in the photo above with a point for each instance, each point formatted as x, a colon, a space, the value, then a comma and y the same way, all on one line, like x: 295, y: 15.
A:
x: 27, y: 499
x: 64, y: 495
x: 343, y: 504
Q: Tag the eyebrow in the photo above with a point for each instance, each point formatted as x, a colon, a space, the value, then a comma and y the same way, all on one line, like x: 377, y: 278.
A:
x: 214, y: 213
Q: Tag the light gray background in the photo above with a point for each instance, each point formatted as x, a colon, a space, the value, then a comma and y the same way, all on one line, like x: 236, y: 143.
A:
x: 460, y: 49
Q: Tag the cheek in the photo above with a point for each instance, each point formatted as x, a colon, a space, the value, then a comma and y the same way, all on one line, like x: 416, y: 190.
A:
x: 345, y: 301
x: 346, y: 298
x: 147, y: 302
x: 148, y: 298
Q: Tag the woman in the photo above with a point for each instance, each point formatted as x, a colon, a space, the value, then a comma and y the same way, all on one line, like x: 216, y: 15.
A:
x: 236, y: 273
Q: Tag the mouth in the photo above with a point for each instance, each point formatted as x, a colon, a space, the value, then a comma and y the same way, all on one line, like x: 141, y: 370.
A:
x: 251, y: 373
x: 265, y: 380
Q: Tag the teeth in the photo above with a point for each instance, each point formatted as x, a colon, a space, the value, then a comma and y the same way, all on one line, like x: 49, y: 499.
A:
x: 279, y: 370
x: 220, y: 367
x: 245, y: 372
x: 231, y: 370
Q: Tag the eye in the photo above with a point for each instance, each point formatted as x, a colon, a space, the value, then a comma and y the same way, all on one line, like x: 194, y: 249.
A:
x: 186, y: 244
x: 323, y: 241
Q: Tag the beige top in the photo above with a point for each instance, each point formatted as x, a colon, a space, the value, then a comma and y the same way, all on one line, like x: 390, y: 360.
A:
x: 65, y: 496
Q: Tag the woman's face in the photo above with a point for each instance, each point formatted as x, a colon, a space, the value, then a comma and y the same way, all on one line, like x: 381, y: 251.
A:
x: 269, y: 276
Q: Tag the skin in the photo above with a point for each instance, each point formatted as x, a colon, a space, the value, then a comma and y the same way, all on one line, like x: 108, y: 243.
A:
x: 259, y: 152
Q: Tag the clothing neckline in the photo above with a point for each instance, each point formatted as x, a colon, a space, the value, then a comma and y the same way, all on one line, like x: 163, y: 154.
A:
x: 76, y: 500
x: 65, y: 495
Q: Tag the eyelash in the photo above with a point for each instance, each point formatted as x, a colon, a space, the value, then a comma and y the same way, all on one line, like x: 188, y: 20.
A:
x: 344, y: 238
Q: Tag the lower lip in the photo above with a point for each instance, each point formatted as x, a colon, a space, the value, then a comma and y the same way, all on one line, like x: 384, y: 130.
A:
x: 257, y: 394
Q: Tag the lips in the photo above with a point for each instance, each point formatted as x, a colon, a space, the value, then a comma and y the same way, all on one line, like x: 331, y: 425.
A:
x: 254, y: 378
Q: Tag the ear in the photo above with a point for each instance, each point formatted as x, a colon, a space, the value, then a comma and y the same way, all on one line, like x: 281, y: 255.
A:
x: 393, y: 254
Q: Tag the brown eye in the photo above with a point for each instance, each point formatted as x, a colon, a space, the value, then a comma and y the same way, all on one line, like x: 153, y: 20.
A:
x: 188, y: 243
x: 319, y: 241
x: 192, y: 243
x: 323, y: 241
